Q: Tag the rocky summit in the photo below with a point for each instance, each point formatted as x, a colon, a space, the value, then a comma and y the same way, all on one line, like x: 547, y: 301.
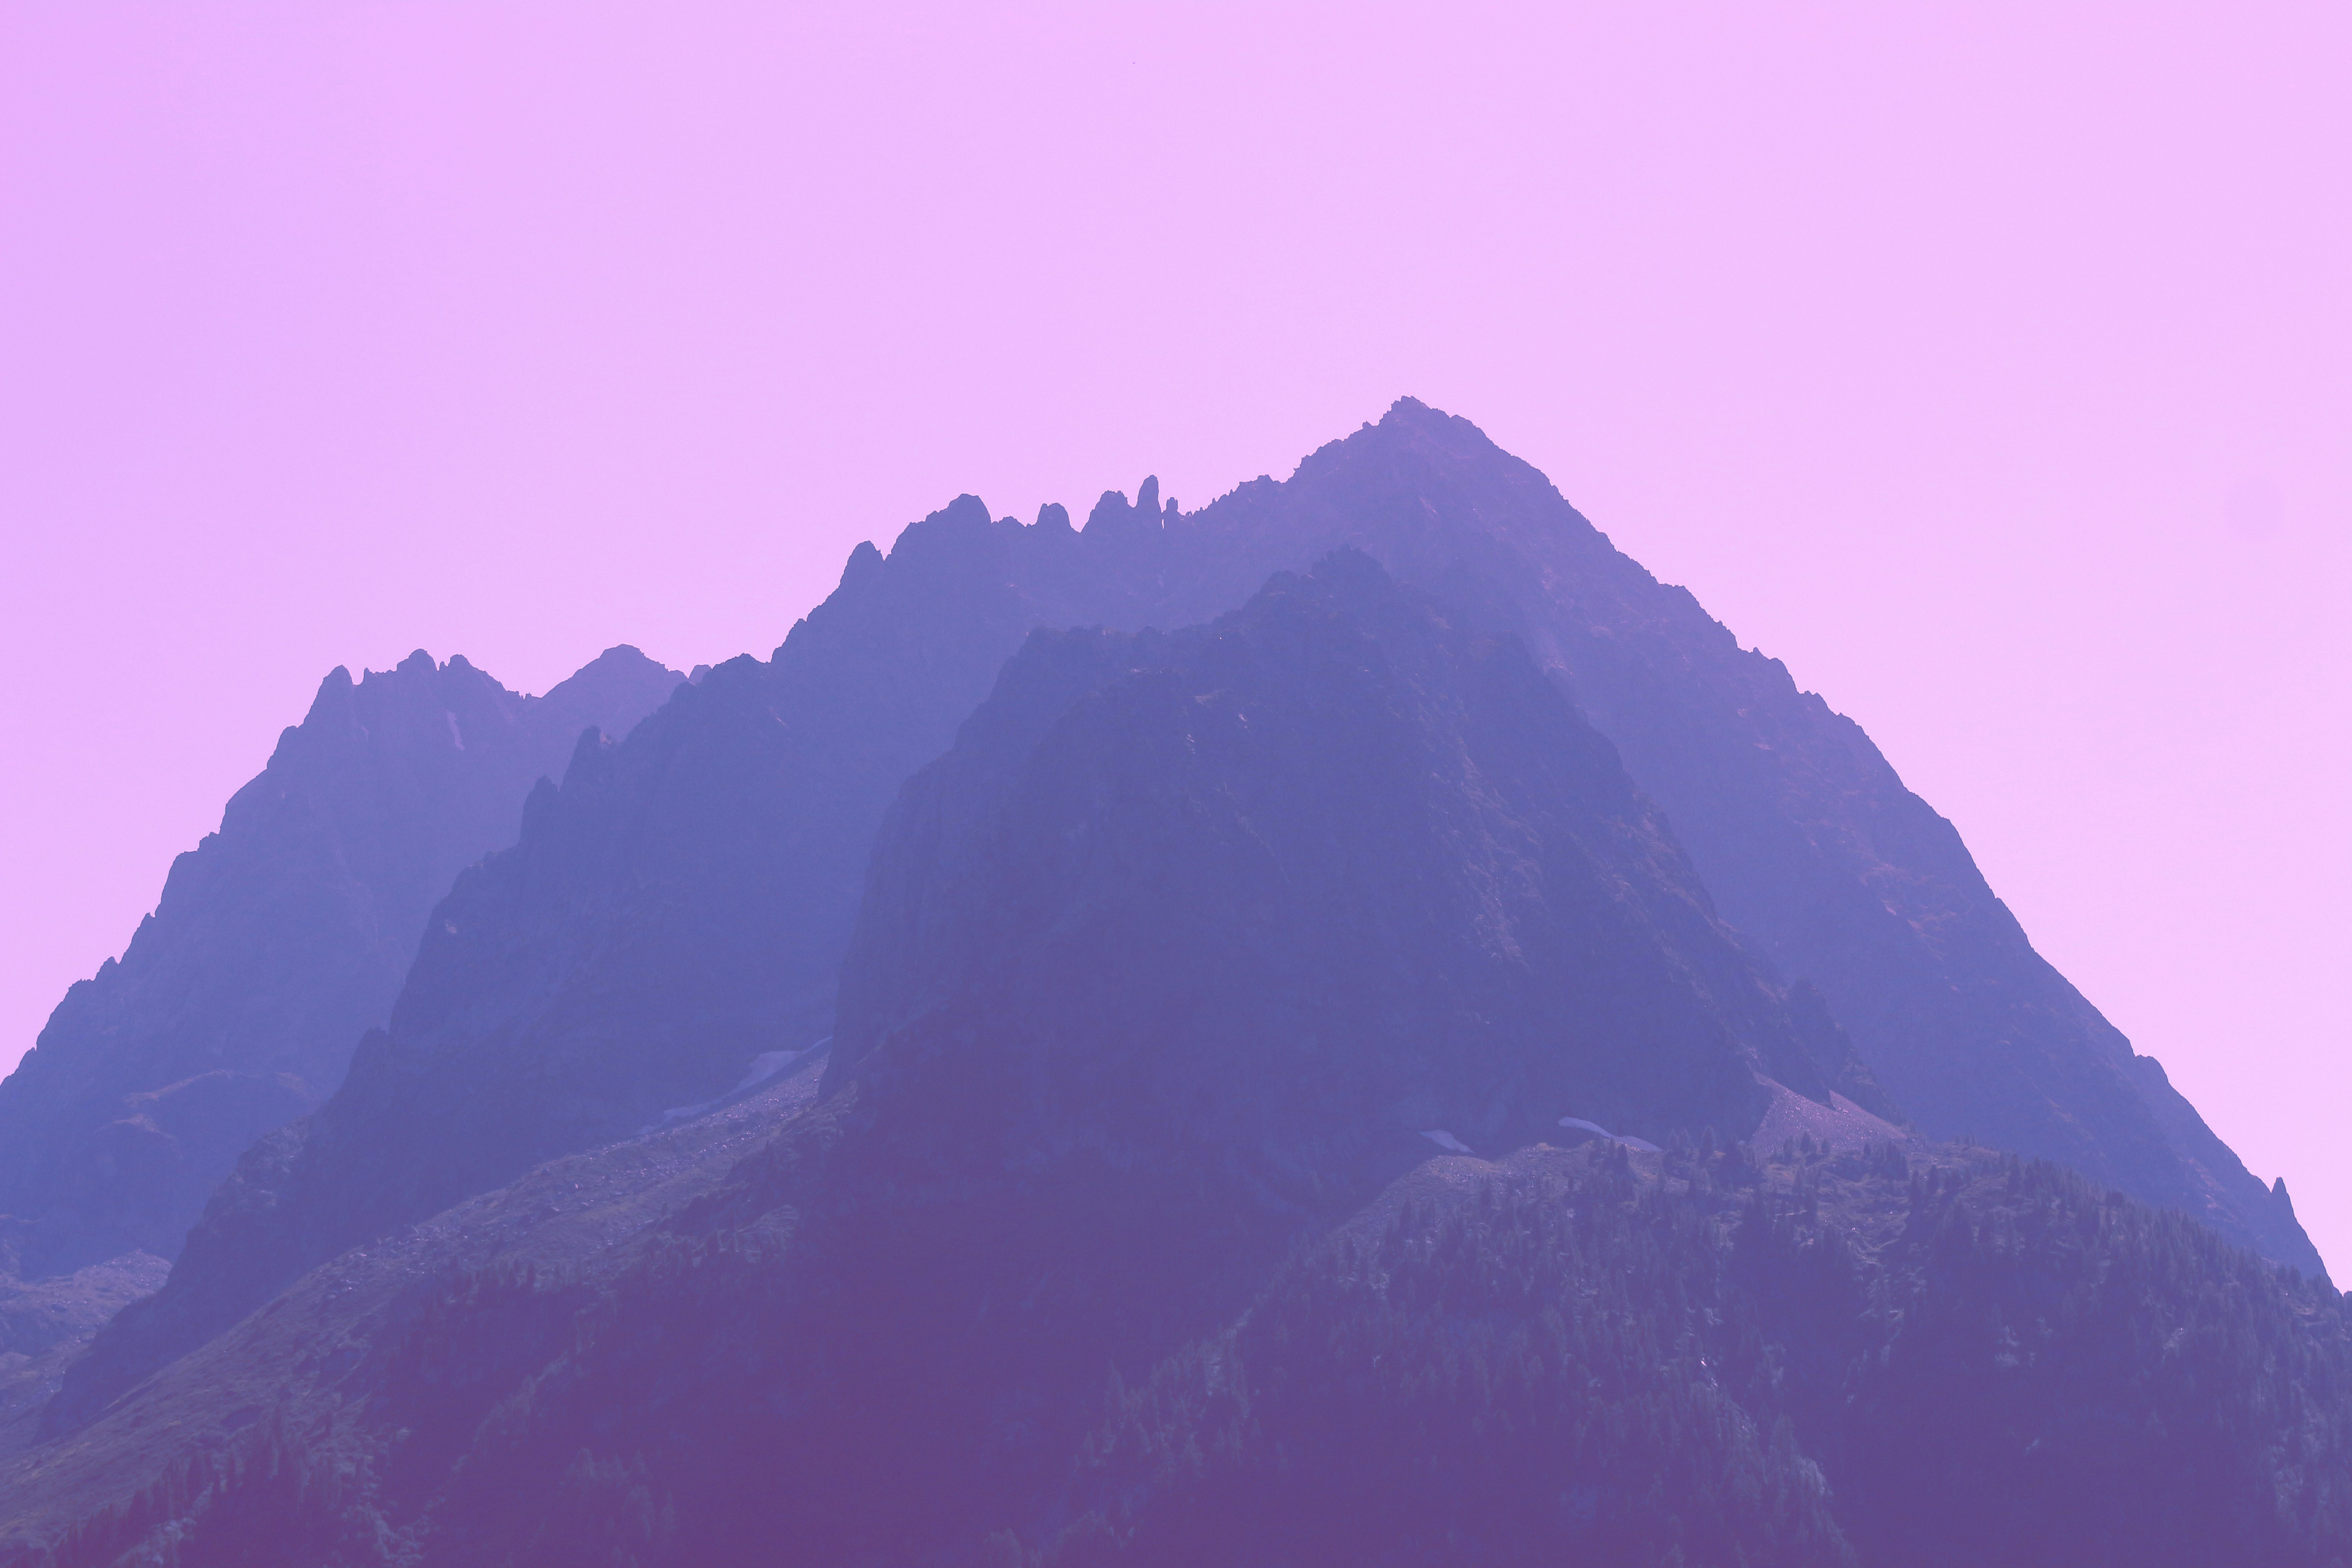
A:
x: 1349, y: 1025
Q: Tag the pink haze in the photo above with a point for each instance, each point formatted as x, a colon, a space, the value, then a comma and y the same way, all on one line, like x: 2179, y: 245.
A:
x: 1987, y: 364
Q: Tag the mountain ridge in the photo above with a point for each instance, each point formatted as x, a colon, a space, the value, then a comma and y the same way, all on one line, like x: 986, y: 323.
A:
x: 275, y: 944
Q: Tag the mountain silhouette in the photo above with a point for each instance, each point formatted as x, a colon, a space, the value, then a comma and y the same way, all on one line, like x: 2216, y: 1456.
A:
x: 1103, y: 1016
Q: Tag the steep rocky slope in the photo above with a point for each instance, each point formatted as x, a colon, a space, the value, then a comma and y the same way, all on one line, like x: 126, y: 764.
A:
x: 278, y: 941
x: 1801, y: 830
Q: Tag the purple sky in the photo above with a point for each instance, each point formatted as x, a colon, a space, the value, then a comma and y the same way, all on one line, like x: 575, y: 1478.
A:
x: 1990, y: 364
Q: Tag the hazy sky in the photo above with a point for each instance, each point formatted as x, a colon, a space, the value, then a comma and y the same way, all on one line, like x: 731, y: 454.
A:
x: 1992, y: 364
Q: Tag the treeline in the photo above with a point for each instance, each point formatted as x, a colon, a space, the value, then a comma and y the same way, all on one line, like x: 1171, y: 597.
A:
x: 327, y: 1498
x: 274, y: 1503
x: 1708, y: 1357
x: 1726, y: 1367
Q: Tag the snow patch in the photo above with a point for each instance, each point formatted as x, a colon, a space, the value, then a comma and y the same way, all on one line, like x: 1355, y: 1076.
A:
x: 455, y: 733
x: 1640, y: 1145
x: 764, y: 1066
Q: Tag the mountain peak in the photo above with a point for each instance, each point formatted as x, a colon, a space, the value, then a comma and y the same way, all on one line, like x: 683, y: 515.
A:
x: 1113, y: 517
x: 279, y: 940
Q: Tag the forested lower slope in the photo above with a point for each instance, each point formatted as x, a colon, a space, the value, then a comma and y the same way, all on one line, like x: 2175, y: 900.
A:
x: 1701, y: 1357
x: 1808, y: 1358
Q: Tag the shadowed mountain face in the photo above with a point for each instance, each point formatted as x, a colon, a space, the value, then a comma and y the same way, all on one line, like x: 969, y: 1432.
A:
x: 1334, y: 865
x: 278, y: 941
x: 678, y: 909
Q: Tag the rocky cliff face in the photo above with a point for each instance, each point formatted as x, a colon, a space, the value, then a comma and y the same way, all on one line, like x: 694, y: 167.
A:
x: 278, y: 941
x: 1801, y: 830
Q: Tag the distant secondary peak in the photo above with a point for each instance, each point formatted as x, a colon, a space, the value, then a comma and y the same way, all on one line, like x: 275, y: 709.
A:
x: 968, y: 509
x: 334, y: 694
x: 621, y: 657
x: 1108, y: 511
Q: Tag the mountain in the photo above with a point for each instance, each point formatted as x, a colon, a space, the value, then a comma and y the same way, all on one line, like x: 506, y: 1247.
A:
x: 1125, y: 1229
x: 278, y: 941
x: 1804, y: 835
x: 677, y: 911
